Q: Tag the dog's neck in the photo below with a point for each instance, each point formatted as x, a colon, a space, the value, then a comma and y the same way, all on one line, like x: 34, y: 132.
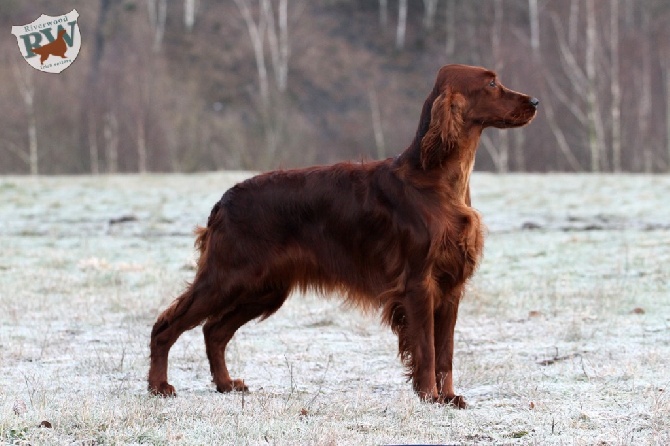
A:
x: 457, y: 174
x: 453, y: 176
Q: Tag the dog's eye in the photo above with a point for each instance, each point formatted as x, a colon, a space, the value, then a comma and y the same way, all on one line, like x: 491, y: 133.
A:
x: 492, y: 84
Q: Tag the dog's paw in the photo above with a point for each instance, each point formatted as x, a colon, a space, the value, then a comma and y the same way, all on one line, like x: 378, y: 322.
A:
x: 234, y: 385
x: 162, y: 389
x: 456, y: 401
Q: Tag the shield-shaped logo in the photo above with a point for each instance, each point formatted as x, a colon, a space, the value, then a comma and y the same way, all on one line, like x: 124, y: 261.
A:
x: 50, y: 44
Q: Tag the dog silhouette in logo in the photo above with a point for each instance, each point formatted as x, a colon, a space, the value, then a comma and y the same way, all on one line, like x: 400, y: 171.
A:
x: 55, y: 48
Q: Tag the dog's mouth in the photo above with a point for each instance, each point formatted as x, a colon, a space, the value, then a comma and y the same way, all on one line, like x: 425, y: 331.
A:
x: 518, y: 118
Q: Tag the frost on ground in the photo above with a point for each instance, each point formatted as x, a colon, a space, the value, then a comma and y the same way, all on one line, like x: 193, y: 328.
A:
x: 563, y: 337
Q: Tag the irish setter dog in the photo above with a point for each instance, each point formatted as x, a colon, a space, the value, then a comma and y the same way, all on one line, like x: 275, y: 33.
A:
x: 397, y: 234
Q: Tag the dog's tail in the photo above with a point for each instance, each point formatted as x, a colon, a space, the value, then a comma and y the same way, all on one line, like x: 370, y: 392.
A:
x: 183, y: 303
x: 202, y: 235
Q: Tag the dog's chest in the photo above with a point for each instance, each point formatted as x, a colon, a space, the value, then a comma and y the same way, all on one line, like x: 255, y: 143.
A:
x: 459, y: 246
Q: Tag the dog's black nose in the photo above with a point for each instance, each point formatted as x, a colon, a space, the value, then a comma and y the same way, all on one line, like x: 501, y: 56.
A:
x: 534, y: 102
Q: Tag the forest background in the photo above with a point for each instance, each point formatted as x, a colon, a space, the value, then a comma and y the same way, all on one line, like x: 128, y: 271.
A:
x: 194, y: 85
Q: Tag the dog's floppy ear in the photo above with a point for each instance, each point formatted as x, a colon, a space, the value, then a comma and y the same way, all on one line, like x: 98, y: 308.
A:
x: 446, y: 123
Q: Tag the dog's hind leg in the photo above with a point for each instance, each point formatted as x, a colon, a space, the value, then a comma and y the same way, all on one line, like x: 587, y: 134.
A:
x: 186, y: 312
x: 219, y: 331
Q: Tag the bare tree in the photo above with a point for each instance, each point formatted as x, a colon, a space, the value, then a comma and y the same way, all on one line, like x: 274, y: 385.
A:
x: 142, y: 103
x: 615, y: 86
x: 402, y: 25
x: 644, y: 87
x: 451, y: 27
x: 377, y: 124
x: 499, y: 150
x: 111, y: 134
x: 584, y: 85
x: 279, y: 47
x: 139, y: 104
x: 24, y: 80
x: 666, y: 72
x: 499, y: 157
x: 91, y: 95
x: 383, y: 13
x: 518, y: 152
x: 534, y: 19
x: 596, y: 130
x: 429, y: 11
x: 562, y: 142
x: 93, y: 145
x: 663, y: 53
x: 157, y: 16
x: 628, y: 7
x: 189, y: 14
x: 573, y: 23
x: 471, y: 44
x: 278, y: 41
x: 141, y: 147
x: 256, y: 32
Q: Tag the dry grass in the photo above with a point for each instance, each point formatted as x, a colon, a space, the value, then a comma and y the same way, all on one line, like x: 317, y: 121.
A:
x: 562, y: 339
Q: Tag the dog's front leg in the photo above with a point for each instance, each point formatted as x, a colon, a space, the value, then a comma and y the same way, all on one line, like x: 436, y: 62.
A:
x: 445, y: 323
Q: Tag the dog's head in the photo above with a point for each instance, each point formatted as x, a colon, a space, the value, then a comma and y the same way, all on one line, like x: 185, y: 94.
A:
x: 464, y: 99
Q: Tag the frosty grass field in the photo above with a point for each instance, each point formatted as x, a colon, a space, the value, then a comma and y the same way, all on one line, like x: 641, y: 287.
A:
x: 563, y: 336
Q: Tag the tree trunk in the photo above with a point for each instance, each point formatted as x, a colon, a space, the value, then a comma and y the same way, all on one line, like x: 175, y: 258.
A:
x: 472, y: 38
x: 451, y: 27
x: 26, y: 86
x: 429, y: 11
x: 644, y: 108
x: 383, y: 13
x: 615, y: 87
x: 402, y: 24
x: 496, y: 34
x: 32, y: 140
x: 157, y: 16
x: 629, y: 13
x: 189, y: 14
x: 377, y: 125
x: 111, y: 135
x: 581, y: 85
x: 278, y: 41
x: 501, y: 150
x: 667, y: 110
x: 93, y: 145
x: 256, y: 34
x: 284, y: 46
x: 519, y: 158
x: 534, y: 19
x: 562, y: 142
x: 499, y: 157
x: 141, y: 147
x: 596, y: 132
x: 90, y: 96
x: 573, y: 23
